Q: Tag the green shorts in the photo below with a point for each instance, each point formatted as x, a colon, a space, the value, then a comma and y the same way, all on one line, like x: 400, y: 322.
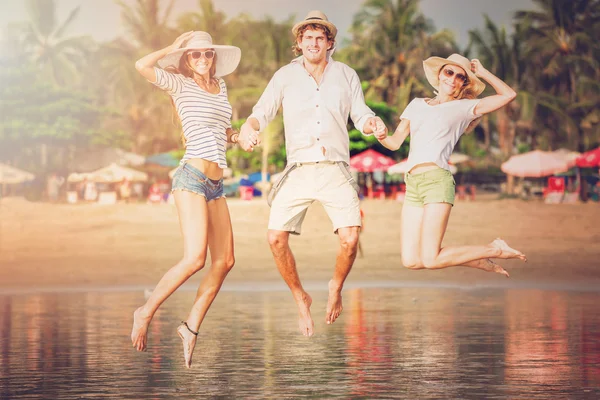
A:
x: 434, y: 186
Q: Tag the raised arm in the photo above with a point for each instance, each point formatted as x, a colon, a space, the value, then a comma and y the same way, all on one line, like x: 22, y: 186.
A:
x: 504, y: 93
x: 394, y: 141
x: 145, y: 65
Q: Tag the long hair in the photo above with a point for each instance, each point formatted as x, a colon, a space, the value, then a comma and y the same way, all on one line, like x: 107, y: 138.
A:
x: 184, y: 68
x: 465, y: 92
x: 330, y: 38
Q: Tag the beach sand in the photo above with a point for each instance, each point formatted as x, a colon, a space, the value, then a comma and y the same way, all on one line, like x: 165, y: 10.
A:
x: 96, y: 246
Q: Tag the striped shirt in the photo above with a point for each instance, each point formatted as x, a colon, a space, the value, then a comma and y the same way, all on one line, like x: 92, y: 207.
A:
x: 204, y: 116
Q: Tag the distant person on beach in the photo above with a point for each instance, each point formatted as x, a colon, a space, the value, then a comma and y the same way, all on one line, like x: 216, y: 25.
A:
x: 318, y: 95
x: 191, y: 72
x: 435, y: 125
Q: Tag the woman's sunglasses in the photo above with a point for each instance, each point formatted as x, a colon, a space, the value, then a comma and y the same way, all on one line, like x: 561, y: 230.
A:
x: 449, y: 73
x: 208, y: 54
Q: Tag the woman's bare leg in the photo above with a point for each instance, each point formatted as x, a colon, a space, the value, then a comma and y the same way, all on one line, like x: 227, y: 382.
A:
x: 220, y: 245
x: 410, y: 239
x: 192, y: 211
x: 435, y: 221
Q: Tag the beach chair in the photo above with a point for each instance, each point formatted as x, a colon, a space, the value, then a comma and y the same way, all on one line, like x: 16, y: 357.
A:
x: 555, y: 191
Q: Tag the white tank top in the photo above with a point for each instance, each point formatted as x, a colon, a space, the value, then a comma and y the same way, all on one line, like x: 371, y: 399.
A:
x: 435, y: 130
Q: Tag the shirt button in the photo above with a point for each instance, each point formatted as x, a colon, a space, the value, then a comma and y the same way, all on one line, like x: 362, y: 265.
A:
x: 317, y: 89
x: 318, y: 122
x: 317, y: 105
x: 318, y: 139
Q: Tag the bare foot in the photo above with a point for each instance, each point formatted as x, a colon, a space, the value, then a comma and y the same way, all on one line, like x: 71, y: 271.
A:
x: 305, y: 322
x: 334, y: 304
x: 139, y: 333
x: 507, y: 251
x: 490, y: 266
x: 189, y: 343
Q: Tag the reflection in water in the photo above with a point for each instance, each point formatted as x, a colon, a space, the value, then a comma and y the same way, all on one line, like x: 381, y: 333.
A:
x: 390, y: 343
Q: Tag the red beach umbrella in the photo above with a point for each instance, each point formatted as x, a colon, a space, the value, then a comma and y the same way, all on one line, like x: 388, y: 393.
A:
x: 370, y: 161
x: 589, y: 159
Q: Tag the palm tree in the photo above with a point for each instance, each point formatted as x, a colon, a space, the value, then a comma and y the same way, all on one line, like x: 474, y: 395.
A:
x: 561, y: 40
x: 390, y: 40
x: 145, y: 25
x: 206, y: 19
x: 46, y: 40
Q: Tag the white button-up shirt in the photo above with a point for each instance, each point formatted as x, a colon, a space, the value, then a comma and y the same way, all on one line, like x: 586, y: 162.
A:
x: 314, y: 116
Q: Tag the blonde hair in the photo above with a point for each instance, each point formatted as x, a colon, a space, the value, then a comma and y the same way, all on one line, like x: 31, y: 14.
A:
x: 330, y: 38
x: 186, y: 70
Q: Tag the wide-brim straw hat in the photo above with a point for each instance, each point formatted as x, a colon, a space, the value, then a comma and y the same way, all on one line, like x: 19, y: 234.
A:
x: 315, y: 17
x: 228, y: 57
x: 433, y: 65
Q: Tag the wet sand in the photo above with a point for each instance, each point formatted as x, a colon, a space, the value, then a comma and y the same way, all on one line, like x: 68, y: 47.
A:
x: 94, y: 246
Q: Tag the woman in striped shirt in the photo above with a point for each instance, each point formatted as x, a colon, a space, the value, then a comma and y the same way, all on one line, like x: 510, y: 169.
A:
x: 193, y: 66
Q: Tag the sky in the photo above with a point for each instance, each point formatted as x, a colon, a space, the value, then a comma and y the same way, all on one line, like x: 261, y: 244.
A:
x: 101, y: 18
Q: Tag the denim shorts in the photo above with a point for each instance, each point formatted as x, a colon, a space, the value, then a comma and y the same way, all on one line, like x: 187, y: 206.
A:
x: 193, y: 180
x: 434, y: 186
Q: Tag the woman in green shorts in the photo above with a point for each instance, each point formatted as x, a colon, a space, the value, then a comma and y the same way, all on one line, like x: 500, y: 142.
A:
x: 435, y: 125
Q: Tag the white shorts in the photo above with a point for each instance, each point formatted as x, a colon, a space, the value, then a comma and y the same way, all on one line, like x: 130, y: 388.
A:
x: 322, y: 182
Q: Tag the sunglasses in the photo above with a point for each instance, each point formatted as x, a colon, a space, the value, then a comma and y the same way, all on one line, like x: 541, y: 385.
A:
x: 208, y: 54
x: 449, y: 73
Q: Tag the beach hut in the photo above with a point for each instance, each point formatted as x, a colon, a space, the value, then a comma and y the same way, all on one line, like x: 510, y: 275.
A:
x: 116, y: 173
x: 11, y: 175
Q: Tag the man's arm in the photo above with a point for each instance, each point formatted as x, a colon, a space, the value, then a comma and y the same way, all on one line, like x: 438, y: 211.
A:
x: 362, y: 116
x: 262, y: 113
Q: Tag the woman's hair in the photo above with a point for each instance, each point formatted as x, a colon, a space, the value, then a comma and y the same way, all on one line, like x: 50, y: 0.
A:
x: 314, y: 27
x: 186, y: 70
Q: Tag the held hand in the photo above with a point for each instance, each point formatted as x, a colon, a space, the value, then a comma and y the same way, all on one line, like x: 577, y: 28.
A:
x: 477, y: 68
x: 180, y: 40
x: 380, y: 130
x: 248, y: 138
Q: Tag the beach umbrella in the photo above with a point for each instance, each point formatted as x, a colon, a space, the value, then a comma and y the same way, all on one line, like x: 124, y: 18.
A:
x: 589, y: 159
x: 401, y: 168
x: 457, y: 158
x: 116, y: 173
x: 370, y: 161
x: 163, y: 159
x: 569, y: 155
x: 535, y: 164
x: 77, y: 177
x: 11, y: 175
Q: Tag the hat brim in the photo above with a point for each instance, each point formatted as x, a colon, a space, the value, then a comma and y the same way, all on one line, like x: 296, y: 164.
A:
x: 327, y: 24
x: 432, y: 68
x: 228, y: 58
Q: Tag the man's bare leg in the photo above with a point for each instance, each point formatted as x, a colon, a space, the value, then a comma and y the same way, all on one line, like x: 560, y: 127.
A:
x: 279, y: 242
x: 343, y: 264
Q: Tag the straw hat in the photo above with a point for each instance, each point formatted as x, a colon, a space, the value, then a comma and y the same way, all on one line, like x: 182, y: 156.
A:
x: 433, y: 65
x: 228, y: 57
x: 315, y: 17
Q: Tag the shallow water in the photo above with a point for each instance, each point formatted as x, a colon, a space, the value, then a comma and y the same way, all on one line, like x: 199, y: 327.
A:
x: 389, y: 343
